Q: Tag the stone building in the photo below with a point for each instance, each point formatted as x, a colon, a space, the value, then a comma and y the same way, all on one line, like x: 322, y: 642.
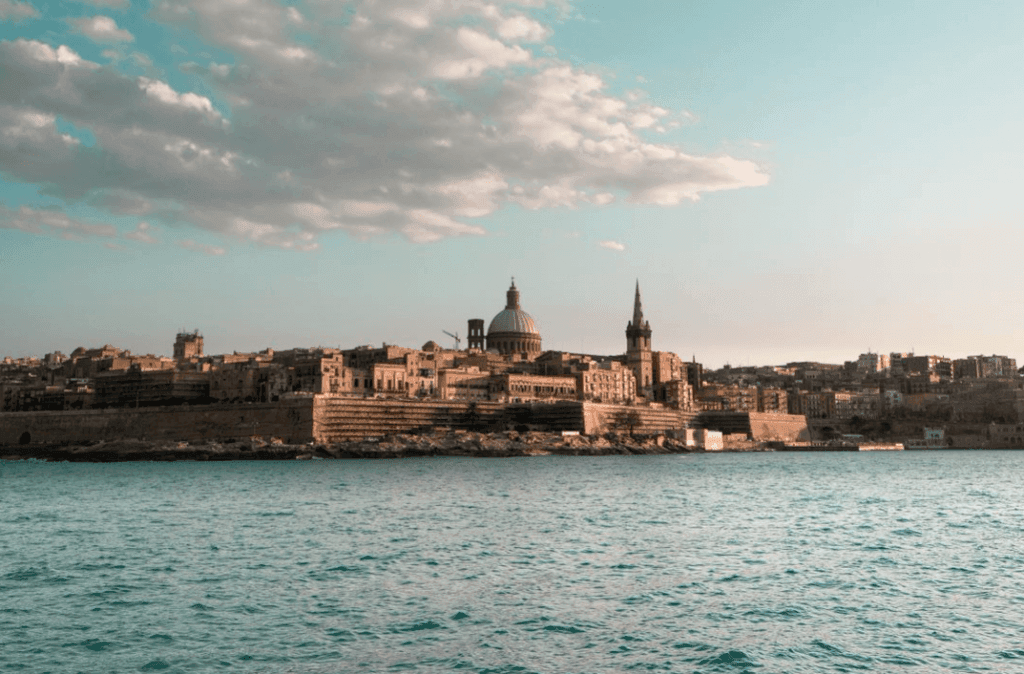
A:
x: 677, y: 394
x: 607, y: 382
x: 872, y: 363
x: 463, y: 383
x: 138, y: 388
x: 666, y: 367
x: 391, y: 379
x: 362, y: 357
x: 188, y: 345
x: 513, y: 387
x: 725, y: 398
x: 772, y: 401
x: 984, y: 367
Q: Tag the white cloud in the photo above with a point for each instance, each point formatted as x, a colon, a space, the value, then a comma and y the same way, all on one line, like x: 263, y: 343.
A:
x: 143, y: 234
x: 101, y: 29
x: 52, y: 223
x: 413, y: 18
x: 612, y: 245
x: 189, y: 244
x: 485, y: 53
x: 13, y: 10
x: 44, y: 53
x: 475, y: 196
x: 426, y: 226
x: 161, y: 91
x: 522, y: 28
x: 390, y: 116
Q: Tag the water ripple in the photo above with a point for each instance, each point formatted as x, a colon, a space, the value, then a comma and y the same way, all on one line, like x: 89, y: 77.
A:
x: 735, y: 563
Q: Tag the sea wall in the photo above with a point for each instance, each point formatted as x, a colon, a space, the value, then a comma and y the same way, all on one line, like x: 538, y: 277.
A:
x: 602, y: 417
x: 290, y: 420
x: 758, y: 426
x: 340, y: 418
x: 330, y: 419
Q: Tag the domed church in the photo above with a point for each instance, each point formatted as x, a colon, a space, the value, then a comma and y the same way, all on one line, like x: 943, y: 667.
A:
x: 512, y: 330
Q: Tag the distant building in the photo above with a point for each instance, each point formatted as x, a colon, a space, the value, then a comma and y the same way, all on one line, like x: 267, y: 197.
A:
x: 464, y: 383
x: 725, y: 398
x: 188, y: 345
x: 772, y: 400
x: 871, y: 363
x: 608, y: 382
x: 510, y: 387
x: 984, y: 367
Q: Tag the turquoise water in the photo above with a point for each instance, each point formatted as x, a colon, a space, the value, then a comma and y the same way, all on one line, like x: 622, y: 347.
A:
x: 881, y: 562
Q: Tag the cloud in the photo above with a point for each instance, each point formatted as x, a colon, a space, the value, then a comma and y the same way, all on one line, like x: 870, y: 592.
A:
x: 189, y: 244
x: 161, y: 91
x: 522, y: 28
x: 13, y: 10
x: 142, y: 234
x: 112, y: 4
x: 367, y: 118
x: 46, y: 222
x: 612, y: 245
x: 101, y: 29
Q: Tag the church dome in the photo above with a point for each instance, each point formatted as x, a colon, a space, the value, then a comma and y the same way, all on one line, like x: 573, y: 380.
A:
x: 513, y: 330
x: 513, y: 320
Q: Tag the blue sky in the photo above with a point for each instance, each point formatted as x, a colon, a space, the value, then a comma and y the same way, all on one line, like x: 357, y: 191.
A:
x: 787, y: 180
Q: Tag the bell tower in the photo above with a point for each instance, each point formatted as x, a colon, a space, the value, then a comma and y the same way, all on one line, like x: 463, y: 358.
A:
x: 638, y: 347
x: 475, y: 334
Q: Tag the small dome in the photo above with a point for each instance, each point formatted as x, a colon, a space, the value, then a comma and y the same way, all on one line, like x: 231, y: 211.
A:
x: 513, y: 320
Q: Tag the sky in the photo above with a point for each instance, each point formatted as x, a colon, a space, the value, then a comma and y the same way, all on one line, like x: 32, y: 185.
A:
x: 787, y: 180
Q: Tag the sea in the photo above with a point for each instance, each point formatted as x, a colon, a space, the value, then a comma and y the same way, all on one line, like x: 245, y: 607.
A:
x: 788, y: 562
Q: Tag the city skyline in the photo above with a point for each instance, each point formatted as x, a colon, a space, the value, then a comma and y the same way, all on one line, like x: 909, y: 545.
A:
x: 788, y: 182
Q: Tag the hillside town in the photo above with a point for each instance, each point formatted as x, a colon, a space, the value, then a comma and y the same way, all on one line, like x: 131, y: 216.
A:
x: 935, y: 400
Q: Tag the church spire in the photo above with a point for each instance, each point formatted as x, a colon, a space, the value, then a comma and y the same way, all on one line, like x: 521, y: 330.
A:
x: 638, y: 310
x: 638, y: 347
x: 638, y: 326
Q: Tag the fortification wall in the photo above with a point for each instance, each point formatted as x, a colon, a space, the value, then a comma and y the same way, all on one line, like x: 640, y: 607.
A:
x: 291, y: 420
x: 327, y: 419
x: 604, y: 417
x: 759, y: 426
x: 787, y: 427
x: 340, y: 418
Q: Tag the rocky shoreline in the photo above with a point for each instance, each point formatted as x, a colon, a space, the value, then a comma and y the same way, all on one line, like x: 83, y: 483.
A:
x: 458, y: 443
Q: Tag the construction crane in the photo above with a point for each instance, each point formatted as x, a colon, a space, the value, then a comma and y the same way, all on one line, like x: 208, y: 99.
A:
x: 458, y: 341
